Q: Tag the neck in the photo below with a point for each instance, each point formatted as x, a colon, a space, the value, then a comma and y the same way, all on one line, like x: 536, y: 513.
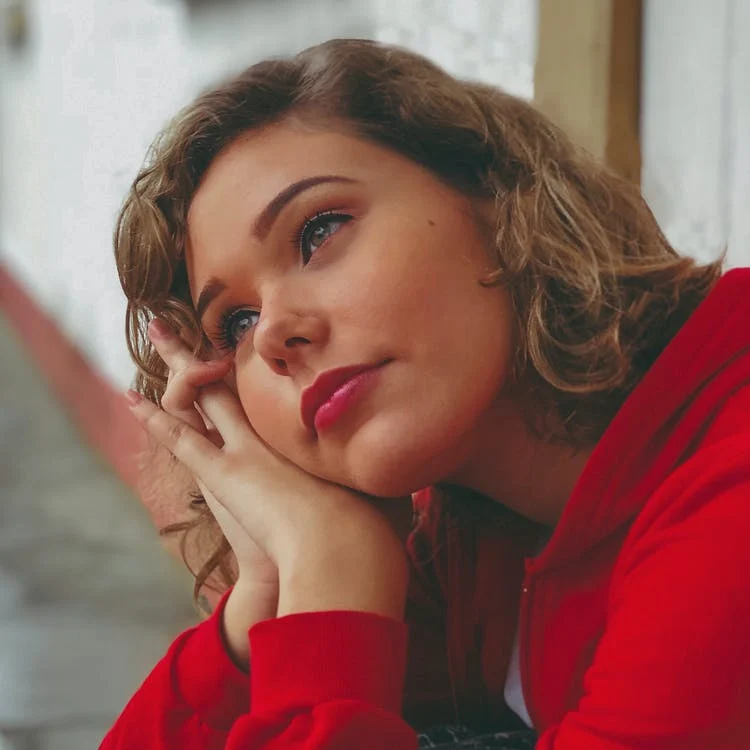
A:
x: 511, y: 465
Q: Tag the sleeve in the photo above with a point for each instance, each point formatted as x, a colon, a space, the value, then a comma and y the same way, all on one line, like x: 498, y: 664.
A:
x: 672, y: 670
x: 318, y: 680
x: 335, y: 679
x: 190, y: 699
x: 326, y: 680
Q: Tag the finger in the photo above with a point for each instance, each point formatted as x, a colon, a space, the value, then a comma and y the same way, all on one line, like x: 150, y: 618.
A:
x: 170, y: 347
x: 217, y: 401
x: 191, y: 448
x: 215, y: 437
x: 182, y: 392
x: 224, y: 410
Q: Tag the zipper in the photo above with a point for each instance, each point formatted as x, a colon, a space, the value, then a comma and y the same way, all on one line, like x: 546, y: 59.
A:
x: 523, y: 640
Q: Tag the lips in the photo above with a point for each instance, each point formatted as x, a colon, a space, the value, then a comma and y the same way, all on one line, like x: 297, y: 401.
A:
x: 325, y: 386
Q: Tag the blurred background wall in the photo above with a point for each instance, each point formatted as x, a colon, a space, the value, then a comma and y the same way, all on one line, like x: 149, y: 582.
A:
x: 695, y: 123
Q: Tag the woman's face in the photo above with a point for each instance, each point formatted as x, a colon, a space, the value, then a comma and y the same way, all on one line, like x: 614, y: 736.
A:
x: 318, y: 251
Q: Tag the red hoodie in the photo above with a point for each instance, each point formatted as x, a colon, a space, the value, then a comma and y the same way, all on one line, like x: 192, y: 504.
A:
x: 634, y: 621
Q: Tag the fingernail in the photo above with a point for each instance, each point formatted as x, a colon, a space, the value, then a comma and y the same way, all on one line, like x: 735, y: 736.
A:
x: 133, y: 398
x: 159, y: 328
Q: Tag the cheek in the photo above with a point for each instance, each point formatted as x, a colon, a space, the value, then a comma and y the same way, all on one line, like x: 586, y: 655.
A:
x: 263, y: 406
x: 447, y: 316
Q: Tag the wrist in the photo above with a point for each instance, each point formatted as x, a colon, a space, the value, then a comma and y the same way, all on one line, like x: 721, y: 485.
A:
x: 364, y: 578
x: 246, y: 605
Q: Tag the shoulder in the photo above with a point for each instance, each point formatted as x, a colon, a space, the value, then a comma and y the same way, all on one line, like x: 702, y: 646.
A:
x: 692, y: 537
x: 694, y: 529
x: 709, y: 485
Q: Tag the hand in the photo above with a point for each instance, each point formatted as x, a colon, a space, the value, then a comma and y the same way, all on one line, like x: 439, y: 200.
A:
x: 291, y: 516
x: 185, y: 378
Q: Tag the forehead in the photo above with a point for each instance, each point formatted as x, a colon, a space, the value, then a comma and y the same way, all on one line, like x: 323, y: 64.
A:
x: 251, y: 171
x: 257, y: 166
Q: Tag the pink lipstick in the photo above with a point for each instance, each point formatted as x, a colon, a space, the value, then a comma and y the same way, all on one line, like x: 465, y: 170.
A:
x: 333, y: 392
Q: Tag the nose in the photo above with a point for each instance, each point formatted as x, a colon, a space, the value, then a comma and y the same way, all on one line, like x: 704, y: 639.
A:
x: 285, y: 334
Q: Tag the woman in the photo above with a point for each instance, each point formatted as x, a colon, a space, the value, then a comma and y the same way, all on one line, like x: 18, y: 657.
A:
x: 358, y: 287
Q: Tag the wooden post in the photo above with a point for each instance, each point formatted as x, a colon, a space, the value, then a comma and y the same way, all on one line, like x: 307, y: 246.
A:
x: 587, y: 76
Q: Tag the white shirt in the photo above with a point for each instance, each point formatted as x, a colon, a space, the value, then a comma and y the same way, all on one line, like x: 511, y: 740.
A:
x: 513, y: 687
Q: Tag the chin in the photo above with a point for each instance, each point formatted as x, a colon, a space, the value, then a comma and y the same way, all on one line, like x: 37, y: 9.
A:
x: 383, y: 466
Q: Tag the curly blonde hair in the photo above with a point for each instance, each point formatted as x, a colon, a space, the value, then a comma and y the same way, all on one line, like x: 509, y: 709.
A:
x: 596, y: 288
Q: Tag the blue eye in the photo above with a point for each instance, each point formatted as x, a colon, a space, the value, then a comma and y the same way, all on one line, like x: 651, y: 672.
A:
x: 316, y: 231
x: 234, y: 324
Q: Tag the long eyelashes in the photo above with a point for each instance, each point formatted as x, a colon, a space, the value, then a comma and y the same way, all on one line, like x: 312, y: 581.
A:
x: 305, y: 234
x: 223, y: 334
x: 302, y: 239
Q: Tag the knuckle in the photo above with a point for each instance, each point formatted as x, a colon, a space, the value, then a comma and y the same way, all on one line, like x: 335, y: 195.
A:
x: 179, y: 394
x: 177, y: 432
x: 201, y: 373
x: 151, y: 422
x: 187, y: 374
x: 168, y: 401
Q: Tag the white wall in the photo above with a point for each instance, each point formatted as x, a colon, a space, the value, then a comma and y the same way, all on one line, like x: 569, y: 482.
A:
x: 80, y: 103
x: 695, y: 124
x: 78, y: 106
x: 488, y: 40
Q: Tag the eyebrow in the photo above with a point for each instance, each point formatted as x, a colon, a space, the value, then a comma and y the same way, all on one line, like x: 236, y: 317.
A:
x: 262, y: 228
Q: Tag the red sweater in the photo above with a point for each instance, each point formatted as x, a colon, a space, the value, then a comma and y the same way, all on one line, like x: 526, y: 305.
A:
x: 634, y: 621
